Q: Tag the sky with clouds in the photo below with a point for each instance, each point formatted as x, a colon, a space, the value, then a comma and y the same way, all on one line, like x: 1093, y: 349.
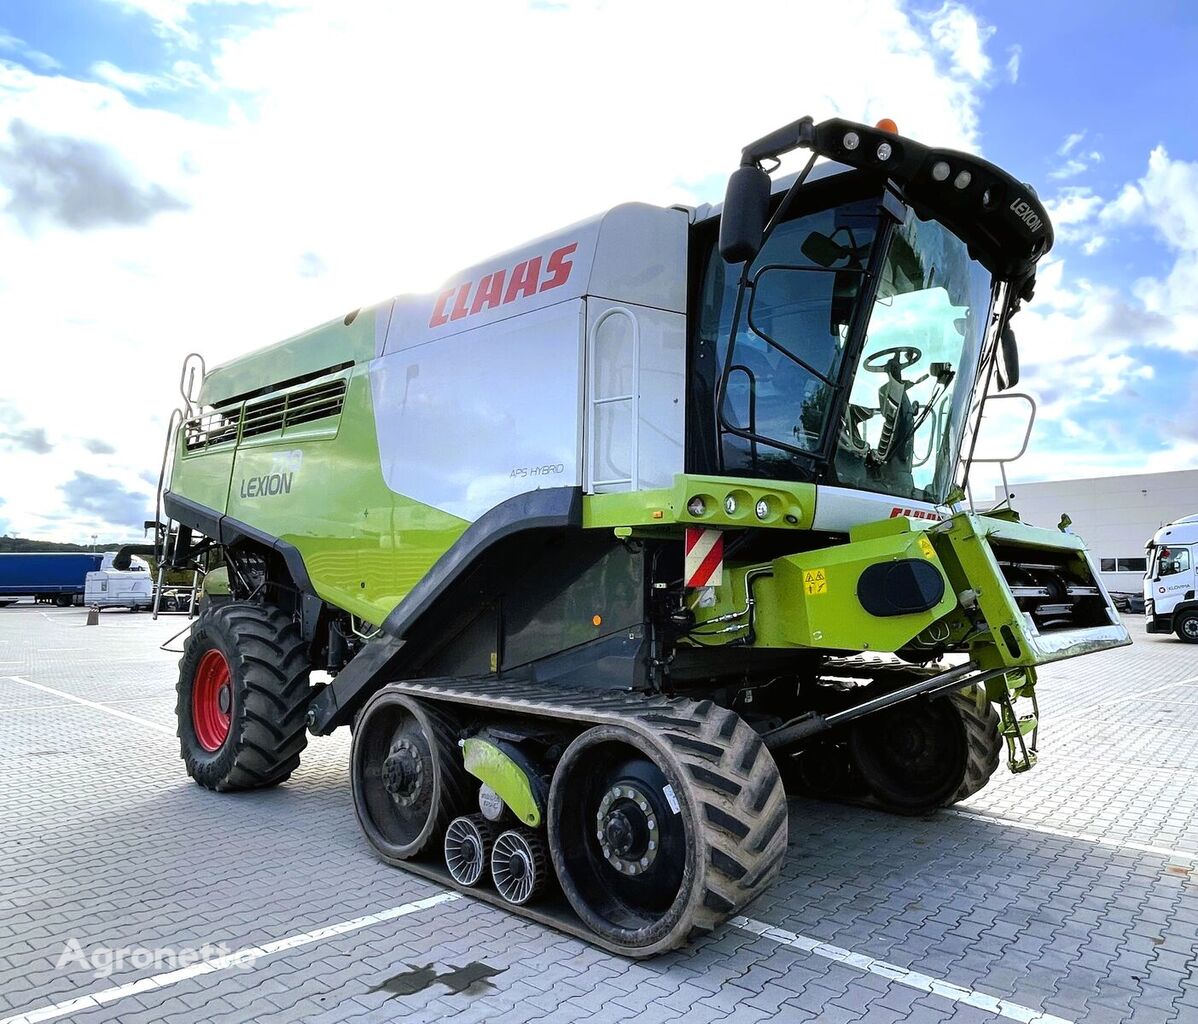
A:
x: 199, y: 175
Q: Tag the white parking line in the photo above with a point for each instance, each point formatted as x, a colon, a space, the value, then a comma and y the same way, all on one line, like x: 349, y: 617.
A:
x: 93, y: 704
x: 1088, y: 837
x: 240, y: 958
x: 912, y: 979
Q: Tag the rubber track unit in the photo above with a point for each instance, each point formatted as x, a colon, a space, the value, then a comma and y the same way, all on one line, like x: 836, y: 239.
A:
x: 734, y: 787
x: 984, y: 744
x: 269, y: 669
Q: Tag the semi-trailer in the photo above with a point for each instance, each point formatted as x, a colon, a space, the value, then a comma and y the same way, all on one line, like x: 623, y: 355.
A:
x: 57, y: 577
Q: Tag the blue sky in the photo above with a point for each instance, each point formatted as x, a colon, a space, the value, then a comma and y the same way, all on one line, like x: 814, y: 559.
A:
x: 182, y: 175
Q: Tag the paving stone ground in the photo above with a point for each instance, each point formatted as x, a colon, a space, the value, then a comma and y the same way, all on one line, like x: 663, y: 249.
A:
x: 1068, y: 891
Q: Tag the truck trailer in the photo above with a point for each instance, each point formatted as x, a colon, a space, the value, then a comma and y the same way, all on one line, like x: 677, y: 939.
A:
x: 622, y: 536
x: 46, y: 576
x: 1170, y: 605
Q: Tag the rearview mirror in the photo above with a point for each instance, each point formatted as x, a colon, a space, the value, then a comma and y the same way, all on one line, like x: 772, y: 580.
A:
x: 821, y: 250
x: 1010, y: 359
x: 746, y: 205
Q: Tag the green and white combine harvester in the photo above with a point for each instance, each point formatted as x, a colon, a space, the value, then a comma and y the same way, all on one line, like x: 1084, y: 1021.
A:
x: 624, y: 535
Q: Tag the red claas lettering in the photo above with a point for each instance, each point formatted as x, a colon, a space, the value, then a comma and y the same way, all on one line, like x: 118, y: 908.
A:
x: 525, y: 279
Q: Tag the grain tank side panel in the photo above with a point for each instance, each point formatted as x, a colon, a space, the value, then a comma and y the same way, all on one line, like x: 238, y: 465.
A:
x: 482, y: 391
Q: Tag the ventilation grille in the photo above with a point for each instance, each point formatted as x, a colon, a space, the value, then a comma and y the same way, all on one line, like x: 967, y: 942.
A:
x: 315, y: 403
x: 210, y: 429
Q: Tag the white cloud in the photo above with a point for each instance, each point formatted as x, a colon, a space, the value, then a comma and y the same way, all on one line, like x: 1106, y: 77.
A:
x: 361, y: 145
x: 1165, y: 199
x: 1069, y: 169
x: 183, y: 74
x: 1076, y: 163
x: 964, y: 38
x: 1071, y: 140
x: 1072, y: 211
x: 11, y: 44
x: 1015, y: 53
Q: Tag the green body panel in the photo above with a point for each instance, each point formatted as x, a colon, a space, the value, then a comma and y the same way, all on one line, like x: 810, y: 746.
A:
x: 668, y: 505
x: 330, y: 344
x: 363, y: 545
x: 810, y: 600
x: 217, y: 581
x: 1011, y: 640
x: 203, y: 477
x: 490, y: 765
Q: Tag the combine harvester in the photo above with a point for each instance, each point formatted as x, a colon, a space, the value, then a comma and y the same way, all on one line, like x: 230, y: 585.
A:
x: 593, y: 541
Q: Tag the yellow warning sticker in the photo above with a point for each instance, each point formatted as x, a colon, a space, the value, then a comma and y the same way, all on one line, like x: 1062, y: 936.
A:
x: 925, y: 546
x: 815, y: 581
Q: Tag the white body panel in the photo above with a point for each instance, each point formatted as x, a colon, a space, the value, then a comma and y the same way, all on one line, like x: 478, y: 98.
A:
x: 112, y: 588
x: 837, y: 509
x: 481, y: 391
x: 636, y: 388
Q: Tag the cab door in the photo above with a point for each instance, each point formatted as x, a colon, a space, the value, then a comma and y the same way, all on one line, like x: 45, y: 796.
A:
x: 1174, y: 578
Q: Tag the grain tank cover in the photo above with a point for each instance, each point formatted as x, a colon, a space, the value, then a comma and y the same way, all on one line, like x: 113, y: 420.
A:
x: 559, y: 364
x: 634, y: 253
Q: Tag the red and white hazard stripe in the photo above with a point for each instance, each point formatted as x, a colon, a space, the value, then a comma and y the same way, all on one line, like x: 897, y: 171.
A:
x: 704, y: 557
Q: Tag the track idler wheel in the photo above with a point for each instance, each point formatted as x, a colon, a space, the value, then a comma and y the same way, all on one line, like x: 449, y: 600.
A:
x: 406, y: 775
x: 657, y: 837
x: 925, y: 754
x: 468, y: 844
x: 519, y: 865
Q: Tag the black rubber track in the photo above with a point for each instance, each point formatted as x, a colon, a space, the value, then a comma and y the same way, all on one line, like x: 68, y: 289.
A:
x: 269, y: 669
x: 741, y: 804
x: 729, y: 781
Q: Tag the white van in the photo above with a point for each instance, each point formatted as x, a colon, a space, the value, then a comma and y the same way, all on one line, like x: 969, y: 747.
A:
x: 131, y: 588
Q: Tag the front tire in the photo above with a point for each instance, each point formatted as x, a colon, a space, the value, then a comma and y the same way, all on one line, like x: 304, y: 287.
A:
x: 921, y: 755
x: 1185, y: 625
x: 242, y: 698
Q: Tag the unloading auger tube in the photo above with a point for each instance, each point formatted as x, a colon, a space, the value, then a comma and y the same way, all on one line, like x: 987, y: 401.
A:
x: 715, y: 555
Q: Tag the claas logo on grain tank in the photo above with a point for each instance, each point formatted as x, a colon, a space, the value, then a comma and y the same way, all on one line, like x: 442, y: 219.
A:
x: 498, y: 288
x: 915, y: 513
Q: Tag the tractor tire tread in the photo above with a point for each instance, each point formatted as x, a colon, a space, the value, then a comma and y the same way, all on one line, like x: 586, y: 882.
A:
x: 744, y: 787
x: 269, y: 728
x: 984, y: 744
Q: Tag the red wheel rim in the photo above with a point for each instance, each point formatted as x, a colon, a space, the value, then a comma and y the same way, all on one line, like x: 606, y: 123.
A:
x: 211, y: 700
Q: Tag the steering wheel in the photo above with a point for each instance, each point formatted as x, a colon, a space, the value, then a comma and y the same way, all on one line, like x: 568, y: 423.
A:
x: 907, y: 355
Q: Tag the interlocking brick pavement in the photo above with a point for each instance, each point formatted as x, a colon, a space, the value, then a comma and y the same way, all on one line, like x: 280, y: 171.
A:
x: 105, y: 841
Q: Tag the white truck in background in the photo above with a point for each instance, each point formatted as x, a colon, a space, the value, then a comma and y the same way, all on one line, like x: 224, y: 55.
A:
x: 1170, y: 604
x: 131, y: 588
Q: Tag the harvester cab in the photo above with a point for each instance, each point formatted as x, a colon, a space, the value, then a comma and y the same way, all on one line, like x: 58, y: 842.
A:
x: 1170, y: 605
x: 623, y: 535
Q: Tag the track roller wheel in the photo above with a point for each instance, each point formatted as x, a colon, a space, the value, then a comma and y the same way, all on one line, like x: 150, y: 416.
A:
x: 406, y: 775
x: 468, y: 844
x: 519, y: 865
x: 658, y: 837
x: 242, y: 697
x: 921, y: 755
